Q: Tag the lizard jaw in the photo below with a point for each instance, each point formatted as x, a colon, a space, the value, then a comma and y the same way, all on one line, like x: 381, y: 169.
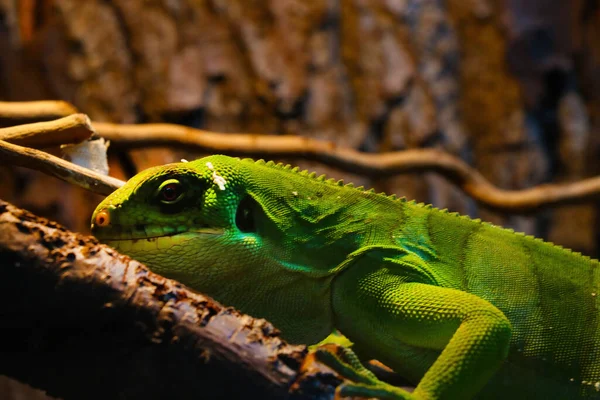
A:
x: 147, y: 232
x: 159, y: 242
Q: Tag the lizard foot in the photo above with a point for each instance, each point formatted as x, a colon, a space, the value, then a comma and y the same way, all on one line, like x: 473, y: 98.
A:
x: 363, y: 383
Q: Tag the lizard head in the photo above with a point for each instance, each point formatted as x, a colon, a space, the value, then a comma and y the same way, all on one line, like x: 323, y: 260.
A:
x: 176, y: 217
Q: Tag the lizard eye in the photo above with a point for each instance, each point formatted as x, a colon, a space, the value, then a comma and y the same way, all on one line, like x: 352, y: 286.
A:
x: 170, y: 191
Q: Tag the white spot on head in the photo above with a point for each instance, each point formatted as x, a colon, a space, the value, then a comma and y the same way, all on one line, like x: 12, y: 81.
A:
x: 295, y: 193
x: 184, y: 160
x: 217, y: 179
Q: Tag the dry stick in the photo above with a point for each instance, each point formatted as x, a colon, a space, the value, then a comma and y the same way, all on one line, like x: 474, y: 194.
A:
x: 383, y: 164
x: 34, y: 159
x: 83, y: 321
x: 35, y: 110
x: 72, y: 129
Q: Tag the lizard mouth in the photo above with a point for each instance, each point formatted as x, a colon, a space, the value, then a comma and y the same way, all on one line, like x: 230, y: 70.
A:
x: 149, y: 233
x: 138, y: 243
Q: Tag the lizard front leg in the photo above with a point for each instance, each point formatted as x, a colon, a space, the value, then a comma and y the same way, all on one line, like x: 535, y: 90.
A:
x: 452, y: 340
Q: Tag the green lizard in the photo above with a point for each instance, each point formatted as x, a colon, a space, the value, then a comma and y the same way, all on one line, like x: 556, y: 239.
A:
x: 460, y: 307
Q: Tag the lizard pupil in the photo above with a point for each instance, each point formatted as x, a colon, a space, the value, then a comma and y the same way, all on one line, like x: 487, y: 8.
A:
x: 170, y: 192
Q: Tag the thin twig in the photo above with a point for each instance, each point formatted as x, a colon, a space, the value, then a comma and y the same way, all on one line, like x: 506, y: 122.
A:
x: 72, y: 129
x: 383, y: 164
x: 378, y: 165
x: 35, y: 110
x: 34, y: 159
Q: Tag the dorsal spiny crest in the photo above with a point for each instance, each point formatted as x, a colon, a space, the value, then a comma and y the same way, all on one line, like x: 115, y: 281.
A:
x: 270, y: 163
x: 295, y: 169
x: 350, y: 185
x: 260, y: 162
x: 340, y: 182
x: 486, y: 223
x: 321, y: 178
x: 288, y: 166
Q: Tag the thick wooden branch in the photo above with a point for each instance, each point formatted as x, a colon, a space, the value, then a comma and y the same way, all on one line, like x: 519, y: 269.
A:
x: 81, y: 321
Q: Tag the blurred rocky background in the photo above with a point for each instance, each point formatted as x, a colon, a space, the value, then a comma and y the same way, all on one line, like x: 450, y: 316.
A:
x: 512, y: 87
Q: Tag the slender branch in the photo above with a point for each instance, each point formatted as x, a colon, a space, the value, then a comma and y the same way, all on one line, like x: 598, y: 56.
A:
x: 35, y: 110
x: 51, y: 165
x: 74, y: 128
x: 80, y: 320
x: 258, y: 146
x: 383, y: 164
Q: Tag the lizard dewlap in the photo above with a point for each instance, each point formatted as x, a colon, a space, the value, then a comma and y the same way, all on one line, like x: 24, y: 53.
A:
x: 462, y: 308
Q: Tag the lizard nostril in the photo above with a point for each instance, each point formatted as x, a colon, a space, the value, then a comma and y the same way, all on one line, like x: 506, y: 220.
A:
x: 102, y: 218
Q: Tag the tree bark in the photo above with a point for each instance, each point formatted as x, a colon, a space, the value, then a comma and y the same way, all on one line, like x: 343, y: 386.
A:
x: 81, y: 321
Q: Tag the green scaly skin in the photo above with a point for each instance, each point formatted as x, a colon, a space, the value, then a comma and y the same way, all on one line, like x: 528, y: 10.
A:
x: 462, y: 308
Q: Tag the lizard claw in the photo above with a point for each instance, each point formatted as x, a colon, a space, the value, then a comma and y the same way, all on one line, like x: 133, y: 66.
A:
x: 362, y: 382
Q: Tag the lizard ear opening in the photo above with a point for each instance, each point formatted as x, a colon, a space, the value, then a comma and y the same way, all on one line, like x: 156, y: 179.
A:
x: 245, y: 214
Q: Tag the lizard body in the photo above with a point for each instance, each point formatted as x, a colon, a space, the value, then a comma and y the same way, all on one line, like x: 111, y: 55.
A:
x: 460, y: 307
